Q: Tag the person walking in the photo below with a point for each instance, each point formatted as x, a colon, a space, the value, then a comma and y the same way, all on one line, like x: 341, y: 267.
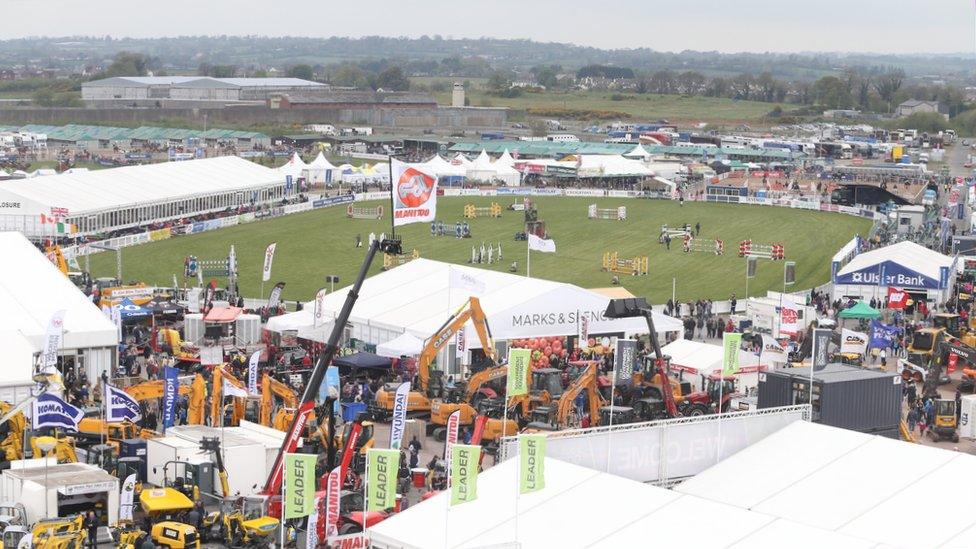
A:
x: 91, y: 524
x: 883, y: 355
x: 912, y: 418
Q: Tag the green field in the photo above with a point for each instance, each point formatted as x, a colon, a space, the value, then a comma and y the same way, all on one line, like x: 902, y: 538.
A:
x: 648, y: 106
x: 314, y: 244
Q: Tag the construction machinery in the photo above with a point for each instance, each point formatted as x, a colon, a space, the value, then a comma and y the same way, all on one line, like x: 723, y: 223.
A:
x: 217, y: 399
x: 59, y: 533
x: 12, y: 433
x: 62, y: 448
x: 563, y: 414
x: 945, y: 423
x: 181, y: 350
x: 166, y: 507
x: 944, y: 345
x: 431, y: 383
x: 272, y: 487
x: 270, y: 388
x: 175, y: 535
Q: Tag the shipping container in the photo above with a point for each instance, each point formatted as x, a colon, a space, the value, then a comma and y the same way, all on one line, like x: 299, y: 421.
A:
x: 843, y: 396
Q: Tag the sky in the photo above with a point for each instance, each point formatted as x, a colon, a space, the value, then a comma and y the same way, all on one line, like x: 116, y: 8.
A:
x: 879, y: 26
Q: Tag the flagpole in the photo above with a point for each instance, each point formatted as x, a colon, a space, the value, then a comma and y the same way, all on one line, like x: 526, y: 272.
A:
x: 528, y: 258
x: 283, y: 484
x: 365, y: 494
x: 613, y: 385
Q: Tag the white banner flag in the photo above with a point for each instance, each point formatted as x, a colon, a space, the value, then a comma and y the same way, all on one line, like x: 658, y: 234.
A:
x: 127, y: 497
x: 789, y: 319
x: 772, y: 351
x: 231, y: 390
x: 414, y: 194
x: 399, y: 419
x: 318, y: 312
x: 52, y: 342
x: 312, y: 526
x: 541, y: 245
x: 332, y: 502
x: 464, y: 280
x: 268, y: 260
x: 453, y: 424
x: 853, y: 342
x: 252, y: 373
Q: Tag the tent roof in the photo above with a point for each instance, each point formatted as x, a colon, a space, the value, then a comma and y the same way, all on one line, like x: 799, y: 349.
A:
x: 223, y: 315
x: 320, y: 163
x: 293, y: 167
x: 640, y: 151
x: 404, y: 345
x: 363, y: 360
x: 394, y: 300
x: 910, y: 255
x: 696, y: 357
x: 640, y: 513
x: 33, y: 289
x: 128, y: 186
x: 17, y: 356
x: 461, y: 160
x: 860, y: 310
x: 505, y: 160
x: 846, y: 482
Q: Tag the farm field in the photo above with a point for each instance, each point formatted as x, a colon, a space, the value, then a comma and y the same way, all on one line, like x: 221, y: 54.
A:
x: 314, y: 244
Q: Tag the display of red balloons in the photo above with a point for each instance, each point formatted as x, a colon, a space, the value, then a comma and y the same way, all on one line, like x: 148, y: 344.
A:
x: 556, y: 345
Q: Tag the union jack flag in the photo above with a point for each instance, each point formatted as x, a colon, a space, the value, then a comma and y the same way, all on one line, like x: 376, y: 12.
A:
x: 59, y: 212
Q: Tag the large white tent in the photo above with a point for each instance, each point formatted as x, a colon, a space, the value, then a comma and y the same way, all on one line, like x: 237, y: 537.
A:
x: 294, y: 167
x: 637, y: 515
x: 134, y: 195
x: 32, y: 289
x: 696, y: 360
x: 904, y: 265
x: 417, y: 298
x: 850, y: 483
x: 439, y: 167
x: 319, y: 170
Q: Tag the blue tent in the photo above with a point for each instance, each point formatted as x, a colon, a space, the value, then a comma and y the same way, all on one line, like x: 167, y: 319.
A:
x: 131, y: 311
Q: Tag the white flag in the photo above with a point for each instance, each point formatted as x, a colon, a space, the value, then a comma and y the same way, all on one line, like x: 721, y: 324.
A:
x: 233, y: 390
x: 463, y: 280
x: 312, y: 526
x: 399, y: 419
x: 128, y: 495
x: 318, y: 313
x: 268, y: 260
x: 853, y: 342
x: 453, y: 422
x: 789, y: 319
x: 414, y: 195
x: 120, y: 406
x: 541, y: 245
x: 252, y: 373
x: 52, y: 342
x: 772, y: 350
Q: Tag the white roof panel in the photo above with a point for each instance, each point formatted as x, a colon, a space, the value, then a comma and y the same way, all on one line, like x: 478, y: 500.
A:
x: 908, y: 254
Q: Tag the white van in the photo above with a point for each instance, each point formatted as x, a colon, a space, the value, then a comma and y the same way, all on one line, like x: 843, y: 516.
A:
x: 562, y: 138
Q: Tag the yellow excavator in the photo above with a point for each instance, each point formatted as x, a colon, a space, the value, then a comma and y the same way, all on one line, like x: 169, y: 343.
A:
x: 430, y: 384
x: 147, y: 390
x: 239, y: 404
x: 563, y: 415
x: 165, y: 508
x: 271, y: 388
x: 63, y: 448
x: 12, y: 432
x: 59, y: 533
x: 181, y: 350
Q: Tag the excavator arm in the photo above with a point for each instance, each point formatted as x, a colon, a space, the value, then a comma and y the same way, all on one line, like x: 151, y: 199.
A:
x: 585, y: 382
x: 944, y: 345
x: 471, y: 310
x: 270, y: 388
x: 217, y: 397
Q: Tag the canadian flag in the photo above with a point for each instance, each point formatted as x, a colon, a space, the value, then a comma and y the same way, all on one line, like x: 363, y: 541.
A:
x: 897, y: 299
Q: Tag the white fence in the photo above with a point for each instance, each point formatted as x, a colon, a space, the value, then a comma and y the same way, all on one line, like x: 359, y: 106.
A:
x: 664, y: 451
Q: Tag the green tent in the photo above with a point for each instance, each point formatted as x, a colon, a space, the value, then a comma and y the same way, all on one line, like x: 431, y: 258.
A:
x: 860, y: 310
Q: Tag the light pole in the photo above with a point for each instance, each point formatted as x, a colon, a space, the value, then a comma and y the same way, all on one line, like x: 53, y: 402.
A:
x: 46, y: 444
x: 332, y: 280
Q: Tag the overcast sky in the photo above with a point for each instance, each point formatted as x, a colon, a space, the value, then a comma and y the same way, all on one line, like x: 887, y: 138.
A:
x: 884, y: 26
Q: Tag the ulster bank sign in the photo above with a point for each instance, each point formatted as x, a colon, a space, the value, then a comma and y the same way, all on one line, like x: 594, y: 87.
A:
x: 892, y: 274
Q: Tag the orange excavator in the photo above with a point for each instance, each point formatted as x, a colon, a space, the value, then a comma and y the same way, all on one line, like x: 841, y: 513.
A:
x: 430, y: 383
x: 563, y: 415
x: 217, y: 398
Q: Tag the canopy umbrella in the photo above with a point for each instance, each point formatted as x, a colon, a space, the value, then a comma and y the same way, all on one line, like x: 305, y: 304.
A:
x: 404, y: 345
x: 860, y: 310
x: 130, y: 311
x: 367, y: 361
x: 160, y: 306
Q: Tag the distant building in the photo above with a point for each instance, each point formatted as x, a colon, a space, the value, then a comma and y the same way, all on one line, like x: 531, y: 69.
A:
x: 842, y: 113
x: 913, y: 106
x: 457, y: 95
x: 146, y: 90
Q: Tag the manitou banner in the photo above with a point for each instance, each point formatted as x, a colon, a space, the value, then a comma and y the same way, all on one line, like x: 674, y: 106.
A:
x: 414, y: 195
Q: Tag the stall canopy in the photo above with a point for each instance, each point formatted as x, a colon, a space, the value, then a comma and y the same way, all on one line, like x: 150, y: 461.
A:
x: 903, y: 265
x: 32, y: 289
x: 130, y: 311
x: 848, y: 483
x: 405, y: 345
x: 223, y: 315
x: 860, y: 310
x: 363, y: 361
x: 417, y: 298
x: 640, y: 513
x: 161, y: 306
x: 700, y: 358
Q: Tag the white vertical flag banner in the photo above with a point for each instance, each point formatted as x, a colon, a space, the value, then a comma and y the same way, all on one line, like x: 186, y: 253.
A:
x: 545, y: 245
x: 318, y: 312
x: 772, y: 350
x: 52, y: 342
x: 268, y: 260
x: 399, y: 420
x: 789, y: 320
x: 463, y: 280
x: 252, y: 372
x: 127, y: 497
x: 453, y: 423
x: 414, y: 194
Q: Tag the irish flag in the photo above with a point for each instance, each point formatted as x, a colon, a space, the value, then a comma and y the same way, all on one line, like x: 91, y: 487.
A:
x: 59, y: 226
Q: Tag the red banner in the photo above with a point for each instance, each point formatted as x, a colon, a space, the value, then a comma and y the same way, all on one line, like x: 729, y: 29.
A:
x: 953, y: 360
x: 332, y: 503
x: 897, y: 299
